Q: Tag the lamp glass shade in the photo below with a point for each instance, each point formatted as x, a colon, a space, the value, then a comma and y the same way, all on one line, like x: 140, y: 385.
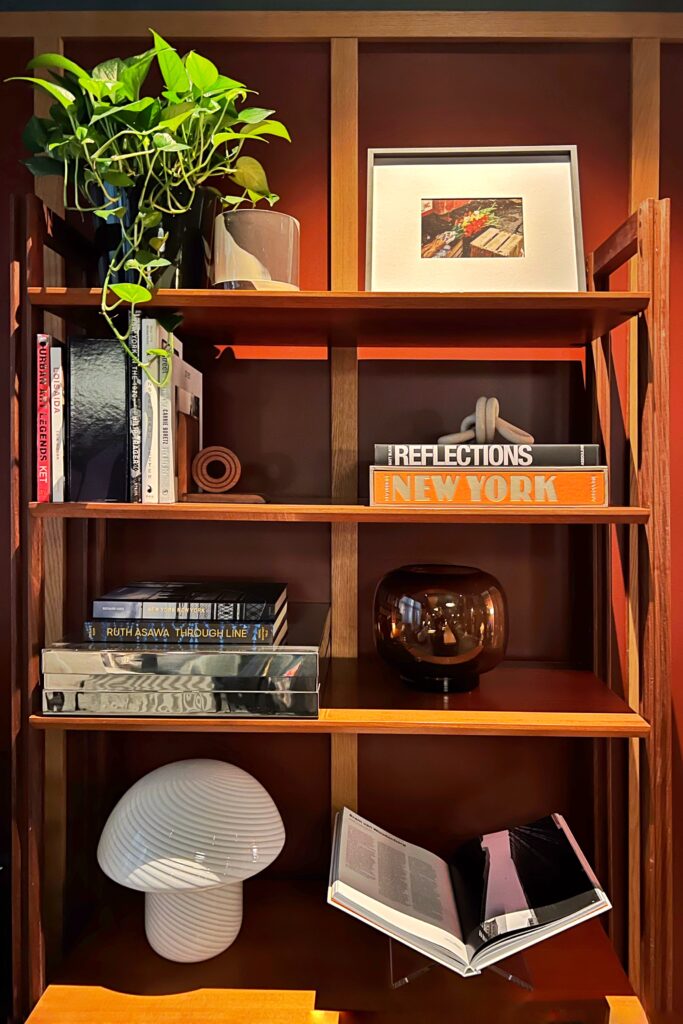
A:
x: 185, y: 828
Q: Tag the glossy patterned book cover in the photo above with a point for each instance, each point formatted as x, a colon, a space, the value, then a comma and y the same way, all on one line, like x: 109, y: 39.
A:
x: 226, y: 704
x: 433, y: 488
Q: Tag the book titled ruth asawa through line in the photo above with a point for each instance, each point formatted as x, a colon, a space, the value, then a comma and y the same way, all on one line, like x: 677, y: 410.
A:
x: 435, y: 488
x: 498, y: 895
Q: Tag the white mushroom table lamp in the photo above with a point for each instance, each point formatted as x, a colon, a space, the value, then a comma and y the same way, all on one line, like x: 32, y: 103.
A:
x: 187, y: 835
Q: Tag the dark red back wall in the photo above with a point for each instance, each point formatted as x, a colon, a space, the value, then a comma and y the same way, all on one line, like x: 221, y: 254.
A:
x: 450, y: 95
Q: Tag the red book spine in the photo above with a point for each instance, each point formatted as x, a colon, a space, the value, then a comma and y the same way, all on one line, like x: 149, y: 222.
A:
x: 43, y: 415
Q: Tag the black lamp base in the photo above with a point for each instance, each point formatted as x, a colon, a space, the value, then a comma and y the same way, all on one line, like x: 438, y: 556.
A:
x: 463, y: 683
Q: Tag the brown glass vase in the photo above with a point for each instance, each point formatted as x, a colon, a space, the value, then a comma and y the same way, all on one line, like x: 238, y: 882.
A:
x: 440, y: 625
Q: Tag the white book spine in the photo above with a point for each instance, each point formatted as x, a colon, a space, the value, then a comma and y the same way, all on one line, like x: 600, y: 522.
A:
x: 150, y: 417
x: 167, y: 431
x: 57, y: 422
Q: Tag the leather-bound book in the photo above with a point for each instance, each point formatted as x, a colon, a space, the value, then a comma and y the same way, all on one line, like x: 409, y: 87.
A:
x: 97, y: 410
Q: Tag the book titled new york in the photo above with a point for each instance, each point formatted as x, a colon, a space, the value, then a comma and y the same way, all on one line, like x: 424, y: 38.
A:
x: 97, y: 411
x: 232, y: 602
x: 434, y: 488
x: 495, y: 456
x: 206, y: 631
x: 43, y: 417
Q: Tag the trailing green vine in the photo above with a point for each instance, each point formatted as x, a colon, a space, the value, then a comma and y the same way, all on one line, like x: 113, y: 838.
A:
x: 135, y: 159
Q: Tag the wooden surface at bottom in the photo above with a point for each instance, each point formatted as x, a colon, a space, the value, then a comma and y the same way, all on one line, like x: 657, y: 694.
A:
x: 87, y: 1004
x: 291, y: 939
x: 626, y: 1010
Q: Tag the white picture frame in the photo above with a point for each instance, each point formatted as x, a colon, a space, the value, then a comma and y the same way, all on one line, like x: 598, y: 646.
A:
x: 519, y: 205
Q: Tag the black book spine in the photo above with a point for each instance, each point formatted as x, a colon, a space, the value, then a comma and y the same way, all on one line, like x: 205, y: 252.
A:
x: 97, y: 409
x: 127, y: 631
x: 487, y: 456
x: 135, y: 411
x: 183, y: 611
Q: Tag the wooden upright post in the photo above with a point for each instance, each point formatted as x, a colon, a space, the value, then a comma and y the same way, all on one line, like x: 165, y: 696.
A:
x: 344, y: 393
x: 643, y: 184
x: 49, y: 189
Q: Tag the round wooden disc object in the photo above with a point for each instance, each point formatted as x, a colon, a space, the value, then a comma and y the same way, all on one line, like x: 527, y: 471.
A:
x: 232, y: 469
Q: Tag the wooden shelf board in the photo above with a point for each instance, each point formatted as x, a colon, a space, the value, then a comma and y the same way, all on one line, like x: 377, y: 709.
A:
x: 375, y: 318
x: 291, y: 939
x: 82, y: 1004
x: 328, y: 512
x: 367, y: 696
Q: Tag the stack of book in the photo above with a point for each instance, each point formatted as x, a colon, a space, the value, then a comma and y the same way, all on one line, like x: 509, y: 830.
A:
x: 230, y: 649
x: 104, y: 430
x: 488, y: 475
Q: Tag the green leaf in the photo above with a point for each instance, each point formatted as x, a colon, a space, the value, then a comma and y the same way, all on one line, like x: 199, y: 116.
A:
x: 220, y: 137
x: 35, y: 137
x: 146, y: 261
x: 268, y: 128
x: 109, y: 70
x: 96, y: 88
x: 42, y: 166
x: 135, y: 73
x: 174, y: 114
x: 58, y: 92
x: 224, y: 84
x: 167, y: 144
x: 139, y: 115
x: 150, y: 218
x: 131, y: 292
x: 171, y: 66
x: 118, y: 178
x: 250, y: 175
x: 203, y: 74
x: 56, y: 60
x: 106, y: 214
x: 254, y: 115
x: 232, y: 200
x: 158, y: 243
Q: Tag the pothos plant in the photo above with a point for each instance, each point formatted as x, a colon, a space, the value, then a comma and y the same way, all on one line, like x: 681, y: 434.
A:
x: 136, y: 159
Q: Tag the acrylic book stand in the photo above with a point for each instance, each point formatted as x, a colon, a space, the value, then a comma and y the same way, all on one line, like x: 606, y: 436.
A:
x: 406, y: 965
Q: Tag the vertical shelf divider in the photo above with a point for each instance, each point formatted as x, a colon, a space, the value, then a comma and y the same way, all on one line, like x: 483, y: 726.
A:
x: 48, y: 189
x: 344, y: 393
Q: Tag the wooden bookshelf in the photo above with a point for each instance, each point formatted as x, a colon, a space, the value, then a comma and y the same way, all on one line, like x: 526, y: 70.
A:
x: 334, y: 512
x: 351, y: 318
x: 588, y: 734
x: 360, y: 696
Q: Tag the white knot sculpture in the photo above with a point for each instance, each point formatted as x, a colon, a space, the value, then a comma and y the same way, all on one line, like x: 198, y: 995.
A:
x: 187, y: 835
x: 481, y: 426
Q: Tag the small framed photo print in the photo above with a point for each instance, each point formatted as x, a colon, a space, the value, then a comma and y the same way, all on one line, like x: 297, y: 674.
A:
x: 469, y: 220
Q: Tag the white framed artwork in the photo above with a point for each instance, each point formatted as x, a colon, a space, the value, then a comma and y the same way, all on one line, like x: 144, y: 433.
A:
x: 472, y: 220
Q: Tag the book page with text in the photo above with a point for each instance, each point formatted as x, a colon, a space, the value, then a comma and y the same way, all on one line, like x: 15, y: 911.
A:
x: 398, y: 876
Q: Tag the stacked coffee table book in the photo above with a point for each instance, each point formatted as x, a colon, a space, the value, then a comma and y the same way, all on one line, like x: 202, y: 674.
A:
x: 204, y: 649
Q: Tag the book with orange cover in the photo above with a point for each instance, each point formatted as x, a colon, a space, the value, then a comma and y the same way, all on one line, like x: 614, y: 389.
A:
x: 433, y: 488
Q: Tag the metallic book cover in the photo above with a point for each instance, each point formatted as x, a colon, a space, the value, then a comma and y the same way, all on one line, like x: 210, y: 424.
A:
x: 154, y: 682
x: 227, y: 704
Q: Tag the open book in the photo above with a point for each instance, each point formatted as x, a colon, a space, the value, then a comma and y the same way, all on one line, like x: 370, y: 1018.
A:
x: 500, y: 893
